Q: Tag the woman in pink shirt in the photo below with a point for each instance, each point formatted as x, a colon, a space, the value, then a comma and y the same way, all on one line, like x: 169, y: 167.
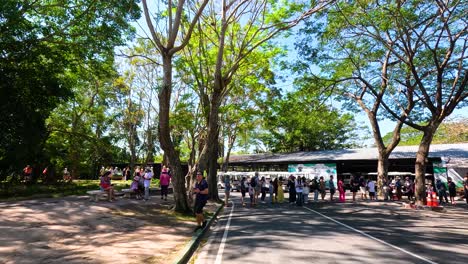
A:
x: 341, y: 190
x: 164, y: 180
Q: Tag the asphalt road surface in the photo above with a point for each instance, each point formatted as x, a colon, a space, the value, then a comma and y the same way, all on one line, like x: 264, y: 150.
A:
x: 362, y: 232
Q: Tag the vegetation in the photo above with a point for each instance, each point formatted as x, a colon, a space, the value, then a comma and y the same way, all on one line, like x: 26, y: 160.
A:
x: 202, y: 82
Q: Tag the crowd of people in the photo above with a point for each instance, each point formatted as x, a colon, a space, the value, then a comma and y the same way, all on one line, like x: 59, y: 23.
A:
x: 300, y: 188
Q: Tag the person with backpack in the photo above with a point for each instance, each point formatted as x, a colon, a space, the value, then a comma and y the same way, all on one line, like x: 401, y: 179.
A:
x: 331, y: 186
x: 441, y: 191
x: 255, y: 184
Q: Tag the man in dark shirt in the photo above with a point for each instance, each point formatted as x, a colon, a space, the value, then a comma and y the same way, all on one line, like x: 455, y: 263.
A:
x: 201, y: 191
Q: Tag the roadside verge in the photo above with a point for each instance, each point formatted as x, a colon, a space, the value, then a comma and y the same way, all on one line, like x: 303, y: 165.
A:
x: 186, y: 253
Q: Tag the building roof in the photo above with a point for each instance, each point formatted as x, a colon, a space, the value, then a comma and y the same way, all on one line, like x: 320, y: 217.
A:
x: 450, y: 152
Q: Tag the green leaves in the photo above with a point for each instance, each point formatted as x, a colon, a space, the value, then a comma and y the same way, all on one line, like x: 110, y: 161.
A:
x: 43, y: 44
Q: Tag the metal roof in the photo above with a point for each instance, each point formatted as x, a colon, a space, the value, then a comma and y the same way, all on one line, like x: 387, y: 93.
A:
x: 450, y: 152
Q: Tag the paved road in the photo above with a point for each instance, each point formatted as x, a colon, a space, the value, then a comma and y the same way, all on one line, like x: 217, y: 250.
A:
x: 335, y: 233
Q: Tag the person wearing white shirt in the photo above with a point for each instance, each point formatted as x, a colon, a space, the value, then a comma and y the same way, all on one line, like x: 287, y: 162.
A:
x: 147, y: 176
x: 371, y: 187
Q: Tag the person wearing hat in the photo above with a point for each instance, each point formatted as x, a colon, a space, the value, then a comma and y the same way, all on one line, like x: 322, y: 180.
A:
x: 164, y: 180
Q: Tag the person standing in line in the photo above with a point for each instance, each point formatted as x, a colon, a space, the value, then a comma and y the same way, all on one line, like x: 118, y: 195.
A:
x: 251, y: 193
x: 465, y: 187
x: 255, y: 184
x: 271, y: 190
x: 362, y: 188
x: 147, y: 177
x: 322, y: 187
x: 263, y: 188
x: 164, y: 180
x: 385, y: 189
x: 354, y: 186
x: 275, y: 190
x: 441, y: 191
x: 299, y: 188
x: 201, y: 192
x: 314, y: 187
x: 305, y: 190
x: 409, y: 188
x: 398, y: 187
x: 292, y: 189
x: 452, y: 188
x: 371, y: 187
x: 244, y: 187
x: 331, y: 186
x: 341, y: 190
x: 227, y: 190
x: 280, y: 197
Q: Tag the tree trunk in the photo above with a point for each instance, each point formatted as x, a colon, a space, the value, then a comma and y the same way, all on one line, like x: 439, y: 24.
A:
x: 382, y: 173
x: 178, y: 178
x: 421, y: 163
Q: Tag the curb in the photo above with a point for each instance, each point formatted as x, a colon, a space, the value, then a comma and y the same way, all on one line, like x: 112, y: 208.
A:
x: 188, y: 250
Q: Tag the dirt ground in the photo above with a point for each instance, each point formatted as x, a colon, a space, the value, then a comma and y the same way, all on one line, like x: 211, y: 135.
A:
x: 75, y: 230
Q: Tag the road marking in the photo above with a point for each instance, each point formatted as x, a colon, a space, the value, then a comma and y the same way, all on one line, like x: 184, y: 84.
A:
x: 219, y: 256
x: 373, y: 238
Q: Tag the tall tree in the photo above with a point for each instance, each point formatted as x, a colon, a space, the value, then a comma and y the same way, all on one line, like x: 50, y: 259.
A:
x: 40, y: 43
x: 232, y: 31
x: 403, y: 60
x: 169, y: 37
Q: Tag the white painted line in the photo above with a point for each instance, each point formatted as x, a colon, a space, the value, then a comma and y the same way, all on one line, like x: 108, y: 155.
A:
x: 373, y: 238
x: 219, y: 256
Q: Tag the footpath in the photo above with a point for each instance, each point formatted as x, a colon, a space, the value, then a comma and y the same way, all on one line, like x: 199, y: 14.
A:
x: 75, y: 230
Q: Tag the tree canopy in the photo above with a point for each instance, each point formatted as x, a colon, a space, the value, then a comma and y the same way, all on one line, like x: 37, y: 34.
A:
x: 43, y: 45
